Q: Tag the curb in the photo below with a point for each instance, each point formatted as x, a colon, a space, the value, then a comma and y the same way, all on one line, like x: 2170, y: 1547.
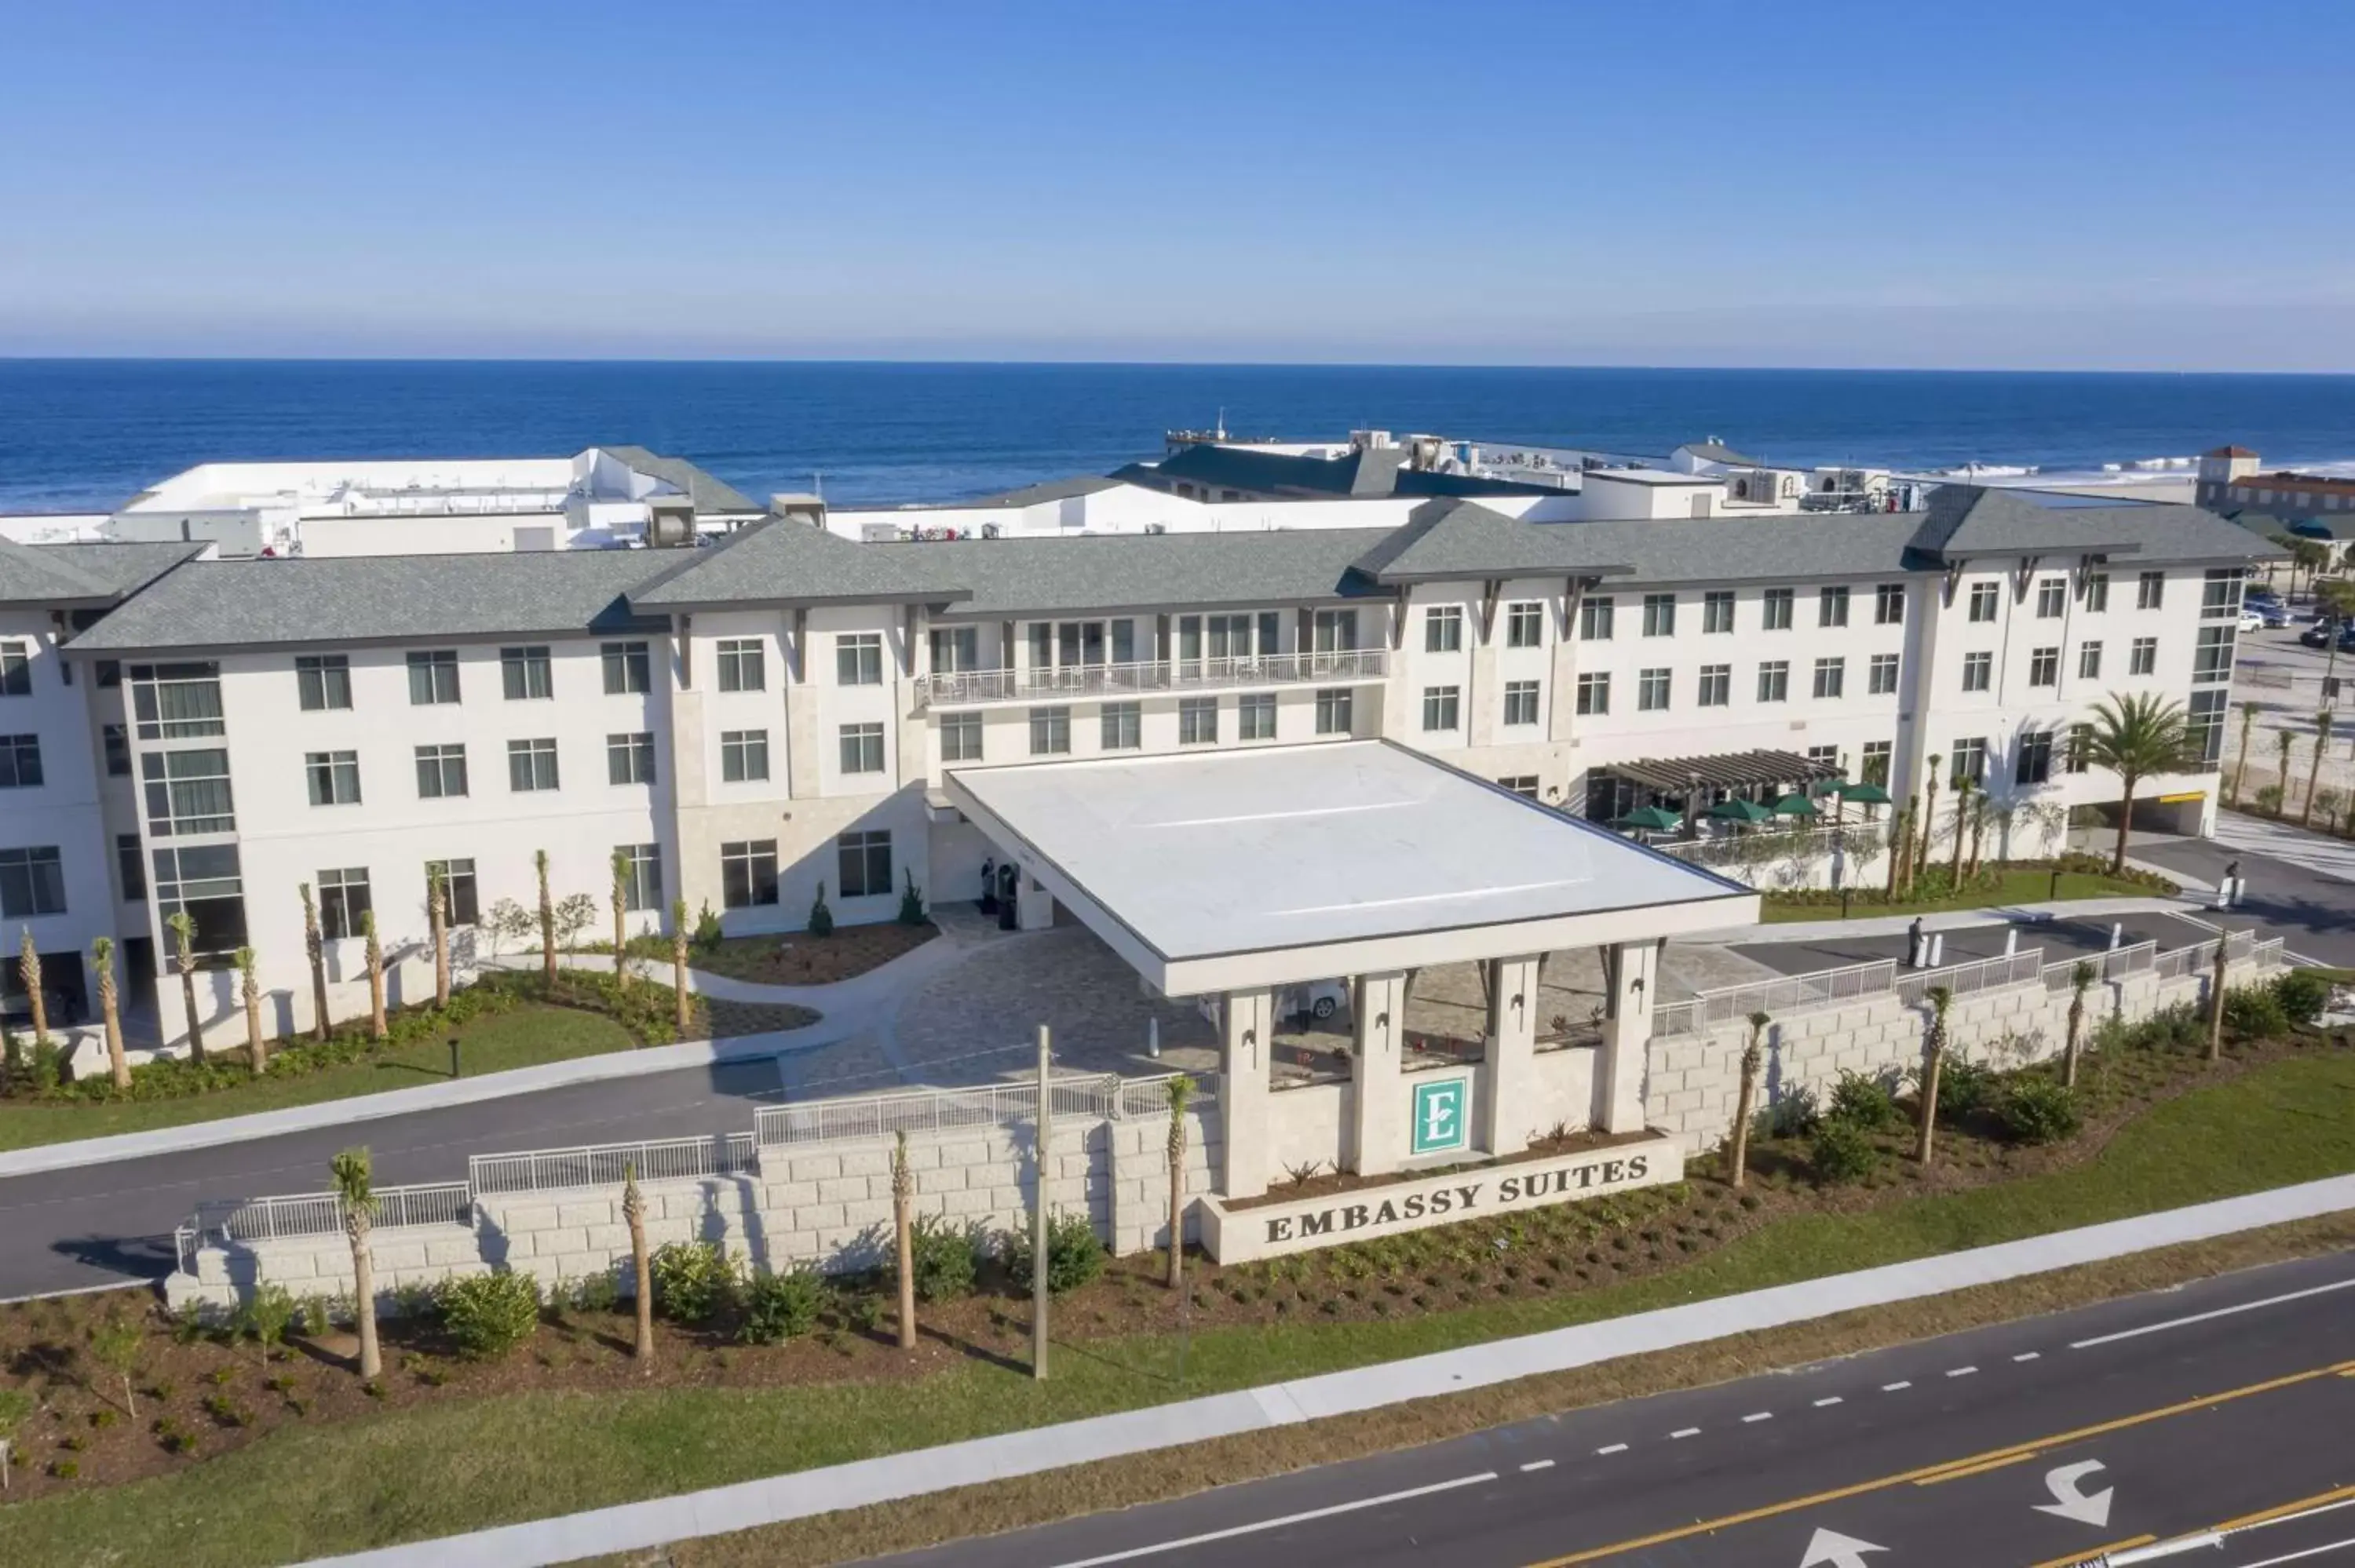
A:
x: 776, y: 1500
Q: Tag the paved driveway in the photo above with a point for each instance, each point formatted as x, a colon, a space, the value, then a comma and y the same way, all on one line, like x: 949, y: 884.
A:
x: 2059, y: 939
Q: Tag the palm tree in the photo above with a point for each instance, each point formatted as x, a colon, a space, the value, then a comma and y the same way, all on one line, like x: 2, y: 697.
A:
x: 621, y: 927
x: 903, y: 1220
x: 355, y: 1180
x: 1753, y: 1057
x: 2135, y: 738
x: 29, y: 966
x: 377, y: 1029
x: 102, y: 953
x: 547, y: 921
x: 183, y: 927
x: 1964, y: 788
x: 316, y: 946
x: 633, y: 1212
x: 1900, y: 840
x: 1978, y: 832
x: 2314, y: 768
x: 250, y: 989
x: 1181, y: 1091
x: 1929, y: 817
x: 437, y: 909
x: 2081, y: 980
x: 2216, y: 1003
x: 2249, y: 712
x: 1933, y: 1062
x: 678, y: 963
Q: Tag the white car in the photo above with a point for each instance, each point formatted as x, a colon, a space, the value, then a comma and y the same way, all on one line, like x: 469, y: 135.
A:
x: 2252, y: 622
x: 1320, y: 999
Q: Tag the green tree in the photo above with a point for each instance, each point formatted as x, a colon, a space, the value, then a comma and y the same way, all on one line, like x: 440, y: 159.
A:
x: 1933, y: 1063
x: 120, y: 1345
x: 183, y: 927
x: 1745, y: 1106
x: 2136, y: 737
x: 355, y: 1184
x: 109, y: 1007
x: 2314, y: 767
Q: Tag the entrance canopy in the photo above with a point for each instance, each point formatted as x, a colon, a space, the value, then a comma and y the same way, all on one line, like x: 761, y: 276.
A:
x: 1227, y: 870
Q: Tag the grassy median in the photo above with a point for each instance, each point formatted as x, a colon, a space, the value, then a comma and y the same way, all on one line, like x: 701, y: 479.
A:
x: 2030, y: 885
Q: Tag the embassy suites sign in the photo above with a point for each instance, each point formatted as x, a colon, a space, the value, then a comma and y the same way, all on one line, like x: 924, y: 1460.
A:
x: 1413, y: 1204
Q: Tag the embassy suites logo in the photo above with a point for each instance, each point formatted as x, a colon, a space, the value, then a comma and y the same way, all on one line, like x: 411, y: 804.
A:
x: 1423, y: 1205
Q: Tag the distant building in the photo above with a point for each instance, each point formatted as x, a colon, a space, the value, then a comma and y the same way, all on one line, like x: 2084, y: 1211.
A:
x: 2230, y: 480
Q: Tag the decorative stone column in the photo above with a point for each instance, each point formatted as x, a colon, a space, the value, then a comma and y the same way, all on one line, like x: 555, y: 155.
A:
x: 1509, y: 1088
x: 1245, y: 1019
x: 1631, y: 972
x: 1378, y: 1141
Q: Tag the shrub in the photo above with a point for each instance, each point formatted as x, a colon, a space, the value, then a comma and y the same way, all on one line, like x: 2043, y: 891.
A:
x: 597, y: 1293
x: 945, y: 1254
x: 1841, y: 1152
x: 1862, y: 1102
x: 1966, y: 1089
x: 693, y: 1280
x: 2302, y: 994
x: 1795, y: 1114
x: 488, y: 1315
x: 1074, y: 1256
x: 708, y: 934
x: 2254, y: 1013
x: 821, y: 918
x: 2038, y: 1110
x: 781, y: 1306
x: 912, y: 904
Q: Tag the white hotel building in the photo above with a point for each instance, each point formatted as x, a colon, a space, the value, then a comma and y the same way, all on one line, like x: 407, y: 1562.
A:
x: 777, y: 711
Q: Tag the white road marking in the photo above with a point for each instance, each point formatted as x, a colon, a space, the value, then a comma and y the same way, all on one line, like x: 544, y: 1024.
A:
x: 1894, y: 1387
x: 2028, y: 1356
x: 1835, y: 1399
x: 1762, y: 1415
x: 1537, y: 1465
x: 1158, y: 1547
x: 1615, y: 1448
x: 2210, y: 1317
x: 2309, y: 1552
x: 1688, y: 1432
x: 1962, y: 1371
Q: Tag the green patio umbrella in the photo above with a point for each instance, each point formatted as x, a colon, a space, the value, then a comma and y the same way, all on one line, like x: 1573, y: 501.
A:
x: 1651, y: 819
x: 1863, y: 794
x: 1795, y: 806
x: 1741, y: 811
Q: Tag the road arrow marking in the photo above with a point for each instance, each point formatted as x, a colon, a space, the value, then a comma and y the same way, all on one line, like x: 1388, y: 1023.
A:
x: 2073, y: 1503
x: 1830, y: 1549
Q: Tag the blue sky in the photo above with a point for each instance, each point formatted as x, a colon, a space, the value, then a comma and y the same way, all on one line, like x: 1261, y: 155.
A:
x: 2064, y: 184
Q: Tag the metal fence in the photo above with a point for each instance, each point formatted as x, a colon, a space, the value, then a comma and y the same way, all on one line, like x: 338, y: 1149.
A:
x: 322, y: 1214
x: 2115, y: 964
x: 1968, y: 979
x: 1792, y: 993
x: 610, y: 1164
x: 1091, y: 1096
x: 2239, y: 946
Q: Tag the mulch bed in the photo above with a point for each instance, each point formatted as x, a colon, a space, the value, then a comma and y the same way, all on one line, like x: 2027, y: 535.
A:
x: 800, y: 959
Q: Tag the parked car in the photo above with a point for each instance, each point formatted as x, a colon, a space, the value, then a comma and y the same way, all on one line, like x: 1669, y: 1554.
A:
x: 2252, y: 622
x: 1320, y: 999
x: 2347, y: 638
x: 2315, y: 636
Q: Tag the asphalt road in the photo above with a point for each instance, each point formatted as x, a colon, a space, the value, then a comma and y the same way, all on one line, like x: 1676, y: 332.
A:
x: 2312, y: 911
x: 2059, y: 939
x: 2026, y: 1446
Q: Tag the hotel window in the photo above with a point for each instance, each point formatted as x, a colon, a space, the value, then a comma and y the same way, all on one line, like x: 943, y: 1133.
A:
x: 960, y: 739
x: 20, y: 761
x: 440, y: 772
x: 32, y: 881
x: 1826, y: 758
x: 743, y: 664
x: 1255, y: 716
x: 1717, y: 612
x: 343, y: 902
x: 1831, y: 678
x: 526, y: 674
x: 1525, y: 624
x: 628, y: 670
x: 1652, y: 691
x: 2080, y: 754
x: 1775, y: 681
x: 630, y: 758
x: 1197, y: 721
x: 1983, y: 600
x: 1831, y: 606
x: 2052, y: 598
x: 1660, y: 615
x: 1888, y: 605
x: 1525, y: 785
x: 132, y: 866
x: 335, y: 777
x: 2204, y: 725
x: 1123, y: 727
x: 2220, y: 594
x: 641, y: 876
x: 177, y: 701
x: 748, y: 872
x: 1774, y: 609
x: 1439, y: 704
x: 1050, y: 732
x: 1875, y: 760
x: 858, y: 659
x: 1335, y: 710
x: 2151, y: 589
x: 464, y: 906
x: 1594, y: 693
x: 2034, y: 765
x: 1968, y: 760
x: 531, y: 766
x: 433, y: 678
x: 1594, y: 616
x: 1979, y: 671
x: 2089, y: 661
x: 323, y: 681
x: 1521, y: 702
x: 1334, y: 630
x: 1880, y: 675
x: 955, y: 649
x: 205, y: 881
x: 2098, y: 592
x: 744, y: 753
x: 15, y: 669
x: 864, y: 861
x: 188, y: 792
x: 1442, y: 629
x: 2212, y: 659
x: 1716, y: 689
x: 117, y: 741
x: 860, y: 745
x: 2142, y: 658
x: 2044, y: 667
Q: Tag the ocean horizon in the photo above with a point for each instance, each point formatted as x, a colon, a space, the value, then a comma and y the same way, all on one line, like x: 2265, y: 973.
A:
x: 87, y: 434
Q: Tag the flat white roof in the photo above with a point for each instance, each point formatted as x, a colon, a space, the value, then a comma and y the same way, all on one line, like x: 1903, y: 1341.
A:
x: 1219, y: 870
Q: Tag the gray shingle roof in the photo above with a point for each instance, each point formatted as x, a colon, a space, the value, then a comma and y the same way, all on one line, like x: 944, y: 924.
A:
x: 1458, y: 539
x: 784, y: 562
x: 63, y: 575
x: 1357, y: 475
x: 1963, y: 521
x: 1129, y: 571
x: 712, y: 496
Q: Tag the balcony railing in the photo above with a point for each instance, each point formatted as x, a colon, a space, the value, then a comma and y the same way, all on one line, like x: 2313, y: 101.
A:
x: 963, y: 687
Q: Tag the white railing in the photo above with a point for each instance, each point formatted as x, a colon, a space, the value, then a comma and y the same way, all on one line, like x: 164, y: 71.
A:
x: 610, y: 1164
x: 1792, y: 993
x: 322, y: 1214
x: 2197, y: 957
x: 2115, y: 964
x: 1968, y: 979
x: 1095, y: 1097
x: 957, y: 687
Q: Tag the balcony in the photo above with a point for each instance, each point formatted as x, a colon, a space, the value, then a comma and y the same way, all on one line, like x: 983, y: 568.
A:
x: 971, y: 687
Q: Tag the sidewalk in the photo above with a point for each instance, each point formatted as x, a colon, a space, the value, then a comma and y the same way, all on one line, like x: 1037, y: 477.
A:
x: 641, y: 1526
x: 2192, y: 905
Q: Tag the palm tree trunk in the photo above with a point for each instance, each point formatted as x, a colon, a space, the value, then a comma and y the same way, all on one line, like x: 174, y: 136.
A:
x: 254, y: 1048
x: 118, y: 1065
x: 2076, y: 1033
x: 378, y: 1029
x: 2241, y: 768
x: 188, y: 1006
x: 316, y: 946
x: 1744, y: 1108
x: 439, y: 905
x: 2125, y: 822
x: 2216, y: 1004
x: 633, y: 1210
x: 1177, y: 1207
x: 904, y: 1230
x: 364, y: 1293
x: 2313, y: 773
x: 547, y: 927
x: 1932, y: 1070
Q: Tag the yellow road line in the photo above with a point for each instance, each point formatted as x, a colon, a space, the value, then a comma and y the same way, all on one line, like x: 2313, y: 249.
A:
x: 2094, y: 1554
x: 2282, y: 1511
x: 1976, y: 1469
x: 2016, y: 1450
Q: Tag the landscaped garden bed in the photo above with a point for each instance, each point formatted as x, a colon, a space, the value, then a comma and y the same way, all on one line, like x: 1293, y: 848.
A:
x: 1992, y: 886
x: 798, y: 957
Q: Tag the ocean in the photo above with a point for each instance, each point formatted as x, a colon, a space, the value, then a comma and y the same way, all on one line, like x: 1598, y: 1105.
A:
x: 85, y: 435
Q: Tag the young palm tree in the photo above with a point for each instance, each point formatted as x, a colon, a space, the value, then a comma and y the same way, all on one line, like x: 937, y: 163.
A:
x: 1181, y: 1091
x: 903, y: 1222
x: 437, y: 911
x: 377, y: 1029
x: 183, y: 927
x: 621, y: 927
x: 355, y: 1180
x: 547, y: 921
x: 633, y: 1213
x: 1979, y: 810
x: 102, y: 953
x: 2249, y: 712
x: 250, y: 990
x: 1900, y: 839
x: 1929, y: 817
x: 1933, y: 1063
x: 2284, y: 740
x: 2314, y: 768
x: 1745, y: 1108
x: 2216, y: 1003
x: 678, y: 963
x: 2135, y: 738
x: 1964, y: 788
x: 315, y: 946
x: 2081, y: 980
x: 28, y: 967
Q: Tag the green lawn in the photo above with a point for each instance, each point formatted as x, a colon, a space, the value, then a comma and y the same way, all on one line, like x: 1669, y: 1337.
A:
x: 430, y: 1471
x: 2027, y: 886
x: 521, y: 1037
